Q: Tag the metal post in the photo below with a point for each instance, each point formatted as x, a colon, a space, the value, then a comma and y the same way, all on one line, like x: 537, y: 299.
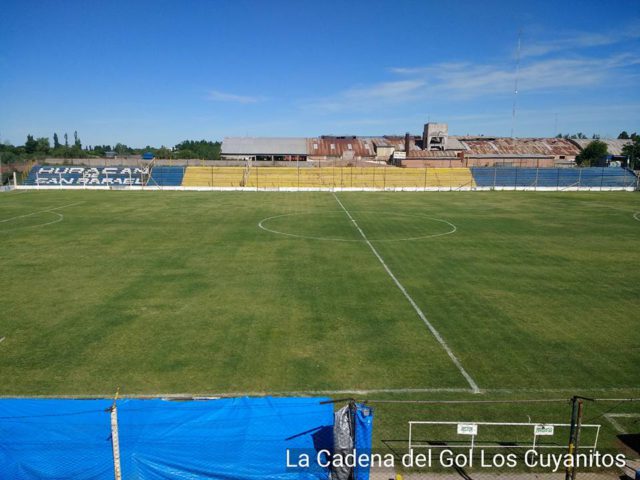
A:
x: 515, y: 180
x: 384, y: 178
x: 425, y: 178
x: 115, y: 441
x: 577, y: 439
x: 495, y: 174
x: 579, y: 178
x: 572, y: 435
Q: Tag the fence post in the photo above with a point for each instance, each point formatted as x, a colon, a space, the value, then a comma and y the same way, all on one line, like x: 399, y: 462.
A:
x: 115, y: 440
x: 515, y: 180
x: 579, y: 178
x: 572, y: 435
x: 495, y: 174
x: 577, y: 438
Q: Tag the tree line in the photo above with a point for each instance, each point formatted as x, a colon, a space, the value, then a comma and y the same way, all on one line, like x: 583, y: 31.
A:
x: 41, y: 147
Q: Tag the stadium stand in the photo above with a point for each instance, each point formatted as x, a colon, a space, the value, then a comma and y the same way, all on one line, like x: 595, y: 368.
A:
x: 553, y: 177
x: 381, y: 177
x: 213, y: 177
x: 166, y: 176
x: 72, y: 176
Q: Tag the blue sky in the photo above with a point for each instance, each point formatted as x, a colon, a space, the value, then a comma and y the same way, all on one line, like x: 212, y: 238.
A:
x: 143, y: 72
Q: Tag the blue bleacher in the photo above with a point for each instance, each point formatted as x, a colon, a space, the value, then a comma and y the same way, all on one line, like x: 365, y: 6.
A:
x: 553, y: 177
x: 166, y: 176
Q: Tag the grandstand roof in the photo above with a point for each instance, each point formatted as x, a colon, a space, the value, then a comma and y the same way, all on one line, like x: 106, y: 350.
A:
x: 264, y: 146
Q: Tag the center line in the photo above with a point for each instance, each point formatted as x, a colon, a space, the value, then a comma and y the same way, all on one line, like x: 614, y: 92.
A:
x: 434, y: 332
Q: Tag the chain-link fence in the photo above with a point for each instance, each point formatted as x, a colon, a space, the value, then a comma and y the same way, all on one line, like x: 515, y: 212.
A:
x: 520, y: 439
x: 301, y: 176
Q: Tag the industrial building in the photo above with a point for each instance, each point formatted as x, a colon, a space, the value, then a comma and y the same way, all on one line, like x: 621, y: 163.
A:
x: 434, y: 148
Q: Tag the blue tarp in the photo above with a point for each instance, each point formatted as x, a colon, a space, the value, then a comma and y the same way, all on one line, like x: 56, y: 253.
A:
x: 238, y: 438
x: 363, y: 434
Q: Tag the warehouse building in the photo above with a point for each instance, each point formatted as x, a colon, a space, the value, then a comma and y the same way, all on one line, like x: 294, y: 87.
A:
x: 264, y: 148
x: 434, y: 148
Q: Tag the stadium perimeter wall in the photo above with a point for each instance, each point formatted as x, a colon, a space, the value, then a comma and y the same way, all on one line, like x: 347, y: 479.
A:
x: 329, y: 179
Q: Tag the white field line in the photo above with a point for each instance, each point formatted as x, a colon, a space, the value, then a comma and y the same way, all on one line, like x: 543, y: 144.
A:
x: 612, y: 420
x: 309, y: 237
x: 637, y: 216
x: 434, y: 332
x: 2, y: 339
x: 299, y: 393
x: 39, y: 211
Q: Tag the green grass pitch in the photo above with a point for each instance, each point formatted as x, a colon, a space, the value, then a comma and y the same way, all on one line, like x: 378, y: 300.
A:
x: 536, y: 294
x: 175, y: 292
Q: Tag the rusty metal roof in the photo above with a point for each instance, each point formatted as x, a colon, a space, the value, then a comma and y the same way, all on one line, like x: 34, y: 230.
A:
x: 519, y: 146
x: 335, y: 147
x: 432, y: 154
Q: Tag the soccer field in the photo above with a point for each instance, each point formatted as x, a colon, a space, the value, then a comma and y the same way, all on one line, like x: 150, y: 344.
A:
x: 207, y: 293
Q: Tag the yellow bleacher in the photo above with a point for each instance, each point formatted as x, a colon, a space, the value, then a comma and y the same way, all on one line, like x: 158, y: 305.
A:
x: 213, y: 177
x: 328, y: 177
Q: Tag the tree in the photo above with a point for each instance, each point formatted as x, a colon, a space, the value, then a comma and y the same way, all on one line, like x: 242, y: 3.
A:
x: 121, y: 149
x: 76, y: 141
x: 592, y: 153
x: 623, y: 135
x: 199, y: 149
x: 56, y: 142
x: 633, y: 152
x: 30, y: 145
x: 66, y: 141
x: 42, y: 145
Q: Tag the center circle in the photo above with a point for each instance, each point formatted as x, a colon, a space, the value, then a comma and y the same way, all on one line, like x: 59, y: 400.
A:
x: 378, y: 226
x: 30, y: 220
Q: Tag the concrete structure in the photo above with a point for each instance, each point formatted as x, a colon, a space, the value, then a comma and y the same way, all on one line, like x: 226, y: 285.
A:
x: 264, y: 148
x: 434, y: 136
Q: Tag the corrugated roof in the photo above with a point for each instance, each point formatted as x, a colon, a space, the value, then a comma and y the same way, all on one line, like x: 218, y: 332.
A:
x: 432, y: 154
x: 264, y: 146
x: 614, y: 145
x: 519, y: 146
x: 334, y: 147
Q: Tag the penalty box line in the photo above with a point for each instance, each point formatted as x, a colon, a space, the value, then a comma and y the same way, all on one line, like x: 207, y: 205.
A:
x: 423, y: 317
